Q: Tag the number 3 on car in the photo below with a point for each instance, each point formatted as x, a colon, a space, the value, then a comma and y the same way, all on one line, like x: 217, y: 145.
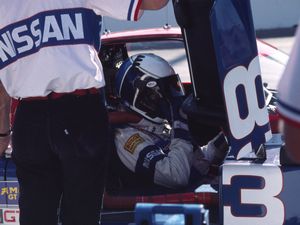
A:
x: 251, y: 196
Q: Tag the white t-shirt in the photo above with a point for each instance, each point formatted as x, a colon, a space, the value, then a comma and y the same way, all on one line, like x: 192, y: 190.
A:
x: 52, y: 45
x: 289, y: 86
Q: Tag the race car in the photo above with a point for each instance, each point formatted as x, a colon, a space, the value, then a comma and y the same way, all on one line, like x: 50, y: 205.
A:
x: 168, y: 43
x: 251, y: 189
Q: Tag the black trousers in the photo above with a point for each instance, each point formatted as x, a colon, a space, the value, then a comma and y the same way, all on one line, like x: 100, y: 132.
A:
x: 60, y: 151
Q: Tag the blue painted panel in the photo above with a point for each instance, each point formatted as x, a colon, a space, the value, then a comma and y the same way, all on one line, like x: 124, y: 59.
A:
x: 9, y: 193
x: 167, y: 214
x: 239, y: 73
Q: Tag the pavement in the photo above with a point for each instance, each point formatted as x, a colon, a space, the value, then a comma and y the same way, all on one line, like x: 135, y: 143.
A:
x: 282, y: 39
x: 285, y: 44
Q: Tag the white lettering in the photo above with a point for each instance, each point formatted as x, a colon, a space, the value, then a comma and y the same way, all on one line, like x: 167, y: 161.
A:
x: 241, y: 77
x: 69, y: 27
x: 23, y: 38
x: 20, y: 39
x: 51, y: 29
x: 6, y: 47
x: 36, y: 32
x: 239, y: 127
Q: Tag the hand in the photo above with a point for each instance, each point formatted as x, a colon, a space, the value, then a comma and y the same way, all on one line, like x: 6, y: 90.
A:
x: 216, y: 150
x: 4, y: 142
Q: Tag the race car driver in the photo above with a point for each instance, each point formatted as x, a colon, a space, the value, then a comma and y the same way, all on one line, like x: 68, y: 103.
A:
x: 49, y: 62
x: 155, y: 144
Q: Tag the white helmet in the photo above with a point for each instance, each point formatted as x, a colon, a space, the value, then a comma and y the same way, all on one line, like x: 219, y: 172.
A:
x: 144, y: 81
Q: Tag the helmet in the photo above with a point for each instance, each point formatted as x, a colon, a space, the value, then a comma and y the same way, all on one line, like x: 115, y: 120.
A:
x: 144, y: 81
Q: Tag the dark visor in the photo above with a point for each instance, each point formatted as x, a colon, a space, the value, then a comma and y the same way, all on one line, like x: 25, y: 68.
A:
x: 151, y: 92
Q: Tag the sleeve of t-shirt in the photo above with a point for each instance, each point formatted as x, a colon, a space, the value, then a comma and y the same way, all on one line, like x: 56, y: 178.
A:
x: 118, y: 9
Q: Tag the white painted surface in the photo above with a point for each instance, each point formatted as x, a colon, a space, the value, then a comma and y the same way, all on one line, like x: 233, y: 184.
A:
x: 267, y: 14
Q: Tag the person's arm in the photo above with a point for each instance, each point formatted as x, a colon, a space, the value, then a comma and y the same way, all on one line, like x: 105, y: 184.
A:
x: 288, y: 103
x: 173, y: 171
x: 153, y: 4
x: 292, y: 137
x: 5, y: 102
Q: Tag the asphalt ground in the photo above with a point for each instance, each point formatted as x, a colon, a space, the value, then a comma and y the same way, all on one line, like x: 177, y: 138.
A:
x: 282, y: 43
x: 282, y: 38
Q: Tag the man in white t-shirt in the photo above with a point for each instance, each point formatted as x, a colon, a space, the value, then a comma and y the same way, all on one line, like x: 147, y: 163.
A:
x: 49, y: 62
x: 289, y: 102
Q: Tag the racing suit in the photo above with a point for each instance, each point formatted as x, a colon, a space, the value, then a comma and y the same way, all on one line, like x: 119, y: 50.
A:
x: 164, y: 156
x: 49, y: 62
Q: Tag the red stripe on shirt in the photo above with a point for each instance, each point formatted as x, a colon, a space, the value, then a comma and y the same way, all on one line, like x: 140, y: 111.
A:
x: 136, y: 13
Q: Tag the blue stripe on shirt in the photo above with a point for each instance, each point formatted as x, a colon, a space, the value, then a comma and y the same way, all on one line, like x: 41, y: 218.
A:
x: 147, y: 160
x: 130, y: 10
x: 49, y: 28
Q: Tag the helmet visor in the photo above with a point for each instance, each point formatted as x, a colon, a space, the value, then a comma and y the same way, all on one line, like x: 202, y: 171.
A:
x: 171, y: 86
x: 151, y: 93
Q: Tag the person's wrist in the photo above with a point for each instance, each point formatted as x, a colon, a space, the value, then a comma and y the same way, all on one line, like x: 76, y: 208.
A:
x: 5, y: 134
